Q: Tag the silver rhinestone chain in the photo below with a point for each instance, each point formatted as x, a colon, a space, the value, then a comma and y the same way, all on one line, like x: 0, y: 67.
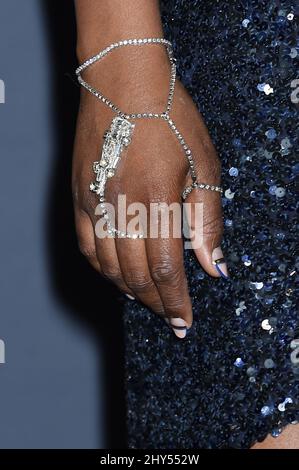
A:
x: 164, y: 115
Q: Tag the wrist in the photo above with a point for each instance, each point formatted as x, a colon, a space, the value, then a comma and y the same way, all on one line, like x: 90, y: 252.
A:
x: 104, y: 22
x: 135, y: 78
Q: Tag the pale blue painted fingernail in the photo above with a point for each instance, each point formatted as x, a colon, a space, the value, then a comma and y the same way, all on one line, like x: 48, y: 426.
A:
x: 219, y: 262
x: 130, y: 297
x: 179, y: 327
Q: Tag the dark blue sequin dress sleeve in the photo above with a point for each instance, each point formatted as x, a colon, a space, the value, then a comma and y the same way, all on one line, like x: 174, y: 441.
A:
x: 235, y: 378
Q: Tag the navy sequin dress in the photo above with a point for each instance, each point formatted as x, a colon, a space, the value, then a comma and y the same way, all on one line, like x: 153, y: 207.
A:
x: 235, y: 378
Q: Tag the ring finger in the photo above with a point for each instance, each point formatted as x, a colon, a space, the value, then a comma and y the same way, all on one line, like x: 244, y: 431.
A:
x: 134, y: 266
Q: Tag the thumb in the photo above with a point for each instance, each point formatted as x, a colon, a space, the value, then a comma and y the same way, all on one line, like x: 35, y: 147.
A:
x: 204, y: 217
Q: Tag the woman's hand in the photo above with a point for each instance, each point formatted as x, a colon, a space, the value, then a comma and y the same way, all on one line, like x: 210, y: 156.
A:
x: 154, y: 169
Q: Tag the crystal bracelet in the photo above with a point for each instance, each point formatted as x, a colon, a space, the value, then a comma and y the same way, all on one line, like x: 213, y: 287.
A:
x: 119, y: 136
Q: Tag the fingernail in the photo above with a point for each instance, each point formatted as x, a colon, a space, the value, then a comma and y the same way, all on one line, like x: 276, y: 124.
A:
x: 130, y: 297
x: 179, y: 327
x: 218, y: 261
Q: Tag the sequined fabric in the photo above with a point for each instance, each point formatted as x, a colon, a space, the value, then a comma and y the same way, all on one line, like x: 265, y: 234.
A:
x: 235, y: 378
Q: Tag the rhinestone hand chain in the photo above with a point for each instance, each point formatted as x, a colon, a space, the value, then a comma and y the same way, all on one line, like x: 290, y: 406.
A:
x: 118, y: 137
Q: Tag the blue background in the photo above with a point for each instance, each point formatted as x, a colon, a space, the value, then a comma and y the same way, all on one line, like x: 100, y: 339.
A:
x: 61, y: 386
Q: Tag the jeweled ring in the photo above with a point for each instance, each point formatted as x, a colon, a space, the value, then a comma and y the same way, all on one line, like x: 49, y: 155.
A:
x: 196, y: 185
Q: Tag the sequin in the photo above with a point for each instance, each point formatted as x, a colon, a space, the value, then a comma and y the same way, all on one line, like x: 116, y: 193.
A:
x: 282, y: 406
x: 268, y: 89
x: 272, y: 189
x: 295, y: 357
x: 228, y: 223
x: 229, y: 194
x: 258, y: 285
x: 295, y: 169
x: 276, y: 432
x: 280, y: 192
x: 246, y: 260
x: 241, y: 308
x: 285, y: 143
x: 239, y: 362
x: 251, y: 371
x: 261, y: 86
x: 233, y: 171
x: 266, y: 410
x: 271, y: 134
x: 293, y: 53
x: 268, y: 154
x: 190, y: 394
x: 269, y: 364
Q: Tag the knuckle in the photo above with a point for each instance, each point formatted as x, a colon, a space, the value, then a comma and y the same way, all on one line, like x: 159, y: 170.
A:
x: 158, y: 308
x: 138, y: 282
x: 83, y: 199
x: 75, y: 193
x: 166, y: 272
x: 175, y: 306
x: 87, y: 250
x: 112, y: 273
x: 213, y: 226
x: 88, y: 201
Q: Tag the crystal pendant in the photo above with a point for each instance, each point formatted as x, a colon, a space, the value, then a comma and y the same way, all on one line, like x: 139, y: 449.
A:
x: 115, y: 140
